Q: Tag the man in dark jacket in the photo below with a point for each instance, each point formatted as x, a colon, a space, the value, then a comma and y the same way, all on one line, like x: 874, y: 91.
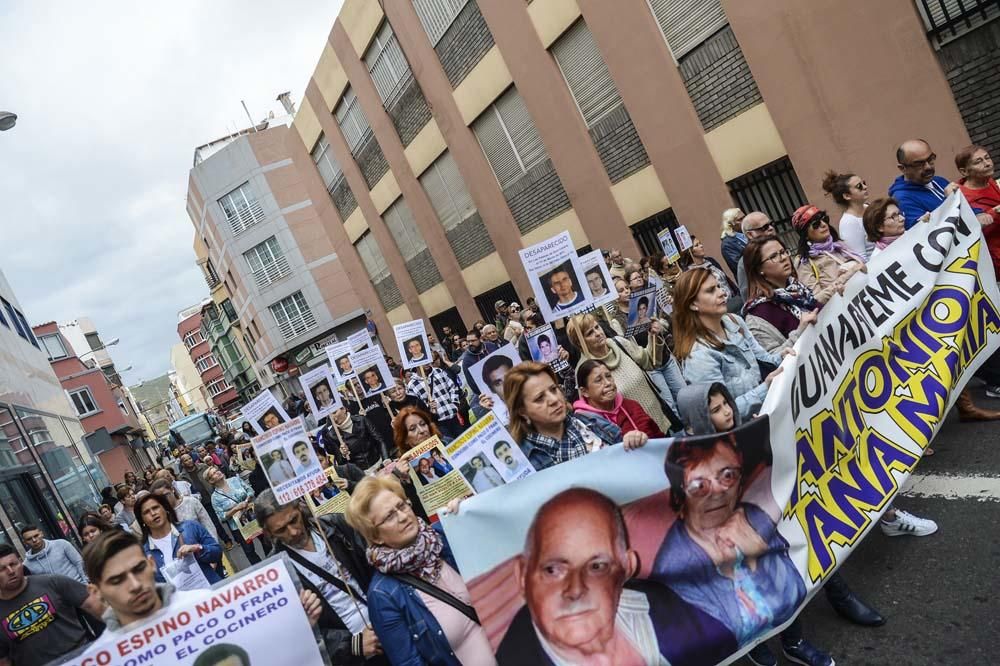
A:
x: 475, y: 352
x: 364, y: 446
x: 334, y: 568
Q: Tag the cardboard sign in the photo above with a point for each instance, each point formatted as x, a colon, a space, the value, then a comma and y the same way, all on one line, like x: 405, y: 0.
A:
x: 489, y: 373
x: 544, y: 348
x: 602, y: 286
x: 434, y: 476
x: 556, y: 277
x: 373, y: 372
x: 487, y: 456
x: 320, y: 387
x: 669, y: 246
x: 340, y: 361
x: 289, y: 461
x: 264, y: 412
x: 411, y: 338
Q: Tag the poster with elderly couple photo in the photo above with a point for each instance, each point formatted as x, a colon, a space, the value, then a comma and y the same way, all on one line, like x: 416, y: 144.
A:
x: 487, y: 456
x: 372, y: 370
x: 435, y: 476
x: 289, y: 461
x: 489, y: 374
x: 320, y: 387
x: 556, y: 277
x: 679, y: 541
x: 544, y: 348
x: 602, y: 285
x: 264, y: 412
x: 641, y: 311
x: 332, y: 497
x: 411, y: 338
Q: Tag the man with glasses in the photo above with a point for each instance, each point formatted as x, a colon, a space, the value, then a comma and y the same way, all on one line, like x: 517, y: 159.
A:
x: 756, y: 226
x: 917, y: 189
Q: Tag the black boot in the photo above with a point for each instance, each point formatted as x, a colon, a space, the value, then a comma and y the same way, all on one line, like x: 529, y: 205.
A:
x: 848, y: 605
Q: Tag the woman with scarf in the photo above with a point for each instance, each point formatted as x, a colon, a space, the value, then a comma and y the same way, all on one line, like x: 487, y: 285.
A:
x: 884, y: 223
x: 600, y: 395
x: 780, y: 307
x: 825, y: 263
x: 419, y: 605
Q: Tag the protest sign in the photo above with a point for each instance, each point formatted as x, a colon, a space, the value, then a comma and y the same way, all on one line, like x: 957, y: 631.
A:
x: 487, y: 456
x: 250, y: 528
x: 488, y: 375
x: 434, y: 476
x: 340, y: 361
x: 842, y: 428
x: 556, y: 277
x: 185, y: 573
x: 411, y: 338
x: 234, y: 623
x: 641, y: 311
x: 372, y: 371
x: 319, y: 386
x: 330, y: 498
x: 360, y: 340
x: 544, y: 348
x: 289, y: 462
x: 602, y: 286
x: 683, y: 237
x: 667, y: 243
x: 264, y: 412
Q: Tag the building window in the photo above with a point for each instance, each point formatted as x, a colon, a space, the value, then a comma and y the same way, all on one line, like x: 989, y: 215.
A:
x: 687, y: 23
x: 773, y: 189
x: 54, y: 346
x: 293, y: 316
x: 509, y: 138
x: 326, y: 164
x: 351, y: 120
x: 386, y: 64
x: 205, y: 362
x: 437, y: 15
x: 193, y: 338
x: 267, y: 262
x: 83, y: 401
x: 403, y: 228
x: 229, y: 311
x: 446, y: 190
x: 586, y: 74
x: 371, y: 257
x: 218, y: 386
x: 241, y: 208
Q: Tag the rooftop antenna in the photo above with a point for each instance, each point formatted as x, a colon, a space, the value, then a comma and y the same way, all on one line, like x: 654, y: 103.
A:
x: 252, y: 123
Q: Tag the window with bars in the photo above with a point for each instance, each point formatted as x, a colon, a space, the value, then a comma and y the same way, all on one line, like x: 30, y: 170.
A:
x: 773, y: 189
x: 241, y: 208
x: 586, y: 74
x: 218, y: 386
x: 371, y: 257
x: 205, y: 362
x: 386, y: 64
x: 687, y: 23
x: 446, y: 190
x: 946, y: 20
x: 351, y: 120
x: 193, y: 338
x: 509, y: 138
x: 326, y: 164
x: 437, y: 16
x: 54, y: 346
x: 83, y: 401
x: 293, y: 316
x: 267, y: 262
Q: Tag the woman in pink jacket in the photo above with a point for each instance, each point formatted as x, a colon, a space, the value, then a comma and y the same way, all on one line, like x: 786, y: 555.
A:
x: 599, y: 395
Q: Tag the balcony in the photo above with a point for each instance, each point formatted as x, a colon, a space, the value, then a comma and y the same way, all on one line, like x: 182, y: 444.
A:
x: 243, y: 217
x: 272, y: 272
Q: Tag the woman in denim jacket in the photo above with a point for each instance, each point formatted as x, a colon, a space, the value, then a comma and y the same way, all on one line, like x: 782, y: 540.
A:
x: 714, y: 346
x: 415, y: 627
x: 161, y: 530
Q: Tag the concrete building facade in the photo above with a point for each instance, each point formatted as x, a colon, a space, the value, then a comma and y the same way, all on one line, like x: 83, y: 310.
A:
x: 157, y: 403
x: 439, y: 137
x: 187, y: 381
x: 273, y: 271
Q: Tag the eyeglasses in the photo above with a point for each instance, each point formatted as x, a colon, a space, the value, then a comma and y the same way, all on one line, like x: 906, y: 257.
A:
x: 898, y: 215
x: 780, y: 254
x: 701, y: 486
x: 819, y: 220
x: 861, y: 186
x: 920, y: 164
x: 398, y: 511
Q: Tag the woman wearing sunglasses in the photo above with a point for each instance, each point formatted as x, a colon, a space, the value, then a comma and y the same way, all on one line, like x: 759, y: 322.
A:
x: 825, y: 263
x: 850, y: 192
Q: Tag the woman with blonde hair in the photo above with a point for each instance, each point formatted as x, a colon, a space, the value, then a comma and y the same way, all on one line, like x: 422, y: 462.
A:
x: 733, y: 240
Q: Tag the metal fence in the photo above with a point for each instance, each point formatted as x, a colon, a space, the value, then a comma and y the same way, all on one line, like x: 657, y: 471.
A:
x: 773, y: 189
x: 947, y: 19
x: 485, y: 300
x: 644, y: 232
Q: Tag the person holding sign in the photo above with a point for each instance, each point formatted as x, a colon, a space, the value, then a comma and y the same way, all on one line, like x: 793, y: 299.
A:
x: 419, y: 604
x: 441, y: 393
x: 230, y: 497
x: 332, y: 565
x: 352, y: 439
x: 166, y: 541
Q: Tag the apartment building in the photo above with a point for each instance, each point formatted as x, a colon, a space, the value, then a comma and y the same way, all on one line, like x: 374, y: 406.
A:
x: 280, y: 292
x: 190, y: 330
x: 438, y: 137
x: 186, y: 381
x: 157, y: 404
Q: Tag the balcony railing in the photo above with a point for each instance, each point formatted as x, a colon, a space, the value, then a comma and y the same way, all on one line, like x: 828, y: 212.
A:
x: 947, y: 19
x: 245, y: 216
x: 271, y: 272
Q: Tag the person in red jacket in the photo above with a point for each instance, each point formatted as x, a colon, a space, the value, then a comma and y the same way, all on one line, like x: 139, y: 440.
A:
x: 980, y: 188
x: 599, y: 395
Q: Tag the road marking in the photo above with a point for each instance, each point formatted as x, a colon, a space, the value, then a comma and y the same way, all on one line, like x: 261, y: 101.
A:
x: 980, y: 488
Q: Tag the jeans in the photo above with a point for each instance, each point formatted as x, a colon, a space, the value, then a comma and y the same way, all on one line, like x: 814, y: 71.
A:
x: 668, y: 381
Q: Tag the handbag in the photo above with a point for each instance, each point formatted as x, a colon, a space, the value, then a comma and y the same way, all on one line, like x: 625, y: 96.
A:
x: 439, y: 594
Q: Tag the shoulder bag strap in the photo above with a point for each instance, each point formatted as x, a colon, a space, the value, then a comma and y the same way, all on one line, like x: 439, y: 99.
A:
x: 675, y: 422
x: 322, y: 573
x: 439, y: 594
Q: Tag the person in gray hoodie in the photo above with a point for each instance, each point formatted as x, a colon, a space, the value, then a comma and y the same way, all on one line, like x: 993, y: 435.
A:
x: 710, y: 408
x: 51, y: 557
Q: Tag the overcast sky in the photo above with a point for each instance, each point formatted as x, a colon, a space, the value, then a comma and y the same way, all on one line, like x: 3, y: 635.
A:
x: 112, y: 98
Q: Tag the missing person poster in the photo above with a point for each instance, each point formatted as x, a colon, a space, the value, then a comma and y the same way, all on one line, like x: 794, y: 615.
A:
x: 486, y: 455
x: 372, y: 370
x: 556, y: 277
x: 668, y: 244
x: 234, y: 624
x: 264, y: 412
x: 544, y: 348
x: 602, y: 286
x: 411, y: 338
x: 289, y: 461
x: 360, y: 340
x: 332, y: 497
x: 683, y: 238
x: 434, y: 476
x: 340, y: 361
x: 320, y: 387
x: 489, y: 375
x: 641, y: 311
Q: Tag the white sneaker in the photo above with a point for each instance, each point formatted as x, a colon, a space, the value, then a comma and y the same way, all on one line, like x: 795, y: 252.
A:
x: 906, y: 524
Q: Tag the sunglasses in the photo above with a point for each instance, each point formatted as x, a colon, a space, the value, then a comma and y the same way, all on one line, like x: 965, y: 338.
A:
x: 819, y: 220
x: 861, y: 186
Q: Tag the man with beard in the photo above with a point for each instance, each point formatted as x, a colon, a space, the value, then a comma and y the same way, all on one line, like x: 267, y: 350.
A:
x: 476, y: 350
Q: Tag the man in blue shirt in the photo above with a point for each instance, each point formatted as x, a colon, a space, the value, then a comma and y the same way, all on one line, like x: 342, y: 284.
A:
x: 917, y: 189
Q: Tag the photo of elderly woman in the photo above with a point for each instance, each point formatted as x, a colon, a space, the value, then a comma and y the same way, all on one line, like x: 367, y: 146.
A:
x: 723, y: 554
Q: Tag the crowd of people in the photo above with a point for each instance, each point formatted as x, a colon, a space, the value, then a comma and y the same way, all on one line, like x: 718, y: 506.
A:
x: 380, y: 582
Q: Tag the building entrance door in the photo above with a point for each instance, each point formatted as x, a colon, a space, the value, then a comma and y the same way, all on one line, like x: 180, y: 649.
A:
x: 26, y: 506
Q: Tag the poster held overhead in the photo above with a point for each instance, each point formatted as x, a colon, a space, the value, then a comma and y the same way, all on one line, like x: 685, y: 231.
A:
x: 556, y: 277
x: 360, y: 340
x: 489, y: 374
x: 264, y: 412
x: 411, y: 338
x: 320, y: 387
x: 684, y: 241
x: 289, y: 461
x: 642, y: 308
x: 602, y: 286
x: 373, y: 371
x: 340, y: 361
x: 668, y: 244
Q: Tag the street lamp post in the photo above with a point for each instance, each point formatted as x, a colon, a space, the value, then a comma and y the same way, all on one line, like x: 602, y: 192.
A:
x: 7, y: 120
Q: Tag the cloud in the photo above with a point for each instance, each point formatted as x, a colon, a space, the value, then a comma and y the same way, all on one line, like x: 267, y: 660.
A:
x: 112, y: 99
